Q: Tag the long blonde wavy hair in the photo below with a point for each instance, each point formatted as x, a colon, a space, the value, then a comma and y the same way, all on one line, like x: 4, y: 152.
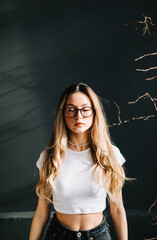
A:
x: 106, y: 169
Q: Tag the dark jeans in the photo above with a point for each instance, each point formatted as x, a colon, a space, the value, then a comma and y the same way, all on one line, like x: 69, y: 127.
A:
x: 57, y: 231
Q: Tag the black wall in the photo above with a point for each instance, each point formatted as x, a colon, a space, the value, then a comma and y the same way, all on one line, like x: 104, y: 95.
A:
x: 45, y: 46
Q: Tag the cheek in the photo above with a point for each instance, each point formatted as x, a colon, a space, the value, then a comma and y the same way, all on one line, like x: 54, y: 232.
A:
x: 91, y: 121
x: 68, y: 121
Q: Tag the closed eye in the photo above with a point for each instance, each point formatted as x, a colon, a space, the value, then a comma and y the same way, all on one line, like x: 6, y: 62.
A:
x: 71, y: 109
x: 86, y: 109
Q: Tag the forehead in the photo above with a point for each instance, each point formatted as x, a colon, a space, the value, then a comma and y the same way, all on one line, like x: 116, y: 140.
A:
x: 78, y: 99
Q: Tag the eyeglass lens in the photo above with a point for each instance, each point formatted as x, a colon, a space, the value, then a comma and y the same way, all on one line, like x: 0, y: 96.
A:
x: 72, y: 112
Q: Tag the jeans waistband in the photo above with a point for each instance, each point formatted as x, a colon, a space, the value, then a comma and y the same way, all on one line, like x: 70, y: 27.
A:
x: 58, y: 225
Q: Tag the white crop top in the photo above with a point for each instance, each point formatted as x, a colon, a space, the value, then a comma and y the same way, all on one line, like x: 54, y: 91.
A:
x: 76, y: 189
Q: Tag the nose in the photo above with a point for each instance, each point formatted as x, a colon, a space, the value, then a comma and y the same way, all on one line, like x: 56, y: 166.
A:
x: 78, y: 115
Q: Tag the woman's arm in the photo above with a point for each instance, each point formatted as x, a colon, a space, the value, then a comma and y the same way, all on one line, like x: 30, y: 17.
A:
x: 40, y: 219
x: 119, y: 219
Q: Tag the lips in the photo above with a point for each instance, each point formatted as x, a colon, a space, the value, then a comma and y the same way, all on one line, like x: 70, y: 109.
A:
x: 79, y: 124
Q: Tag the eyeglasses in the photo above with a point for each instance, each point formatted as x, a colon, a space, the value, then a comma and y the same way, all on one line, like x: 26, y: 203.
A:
x: 71, y: 112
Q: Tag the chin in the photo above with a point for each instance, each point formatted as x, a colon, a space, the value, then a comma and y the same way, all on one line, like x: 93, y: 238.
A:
x: 80, y: 130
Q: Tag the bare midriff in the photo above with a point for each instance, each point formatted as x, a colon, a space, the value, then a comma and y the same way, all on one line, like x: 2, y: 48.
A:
x: 80, y: 222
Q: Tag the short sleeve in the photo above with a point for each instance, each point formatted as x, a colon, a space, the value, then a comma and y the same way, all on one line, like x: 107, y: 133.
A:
x: 39, y: 162
x: 118, y: 155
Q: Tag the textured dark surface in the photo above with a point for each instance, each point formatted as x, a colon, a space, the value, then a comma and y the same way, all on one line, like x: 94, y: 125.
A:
x: 47, y: 46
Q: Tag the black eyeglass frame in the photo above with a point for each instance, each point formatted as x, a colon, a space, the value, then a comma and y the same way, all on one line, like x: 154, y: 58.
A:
x: 78, y: 109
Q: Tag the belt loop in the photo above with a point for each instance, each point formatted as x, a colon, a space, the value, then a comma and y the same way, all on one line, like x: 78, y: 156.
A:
x: 89, y: 237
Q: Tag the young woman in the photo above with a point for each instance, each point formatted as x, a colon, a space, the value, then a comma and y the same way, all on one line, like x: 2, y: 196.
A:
x: 78, y: 169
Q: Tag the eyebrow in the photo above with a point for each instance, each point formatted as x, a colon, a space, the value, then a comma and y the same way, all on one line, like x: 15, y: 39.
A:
x: 76, y: 106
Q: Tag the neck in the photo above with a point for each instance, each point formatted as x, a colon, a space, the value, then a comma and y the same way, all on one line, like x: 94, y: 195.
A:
x: 78, y: 142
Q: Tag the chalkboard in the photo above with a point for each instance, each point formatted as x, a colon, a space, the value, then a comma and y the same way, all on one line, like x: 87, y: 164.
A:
x: 47, y: 46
